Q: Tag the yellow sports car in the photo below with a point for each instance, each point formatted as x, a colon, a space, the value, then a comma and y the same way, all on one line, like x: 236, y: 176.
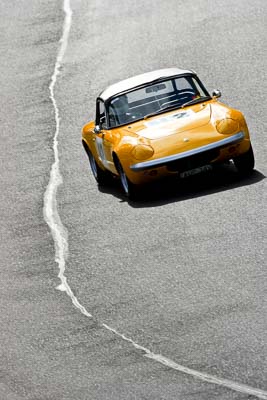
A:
x: 163, y: 123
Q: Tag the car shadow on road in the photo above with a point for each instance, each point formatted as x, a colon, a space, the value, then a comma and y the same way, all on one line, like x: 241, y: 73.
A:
x: 221, y: 178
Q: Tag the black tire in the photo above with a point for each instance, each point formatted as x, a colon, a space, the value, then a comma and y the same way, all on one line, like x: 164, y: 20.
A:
x: 245, y: 162
x: 102, y: 177
x: 130, y: 190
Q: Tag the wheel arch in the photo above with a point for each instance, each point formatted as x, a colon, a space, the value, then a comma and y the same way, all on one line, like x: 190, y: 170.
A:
x: 115, y: 160
x: 85, y: 146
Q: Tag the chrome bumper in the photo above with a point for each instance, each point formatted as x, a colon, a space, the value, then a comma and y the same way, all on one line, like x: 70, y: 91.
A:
x: 160, y: 162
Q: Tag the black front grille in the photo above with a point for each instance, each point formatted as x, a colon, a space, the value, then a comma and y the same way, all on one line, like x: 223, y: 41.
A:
x: 197, y: 160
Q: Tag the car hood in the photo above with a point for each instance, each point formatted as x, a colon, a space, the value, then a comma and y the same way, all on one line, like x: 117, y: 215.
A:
x: 173, y: 122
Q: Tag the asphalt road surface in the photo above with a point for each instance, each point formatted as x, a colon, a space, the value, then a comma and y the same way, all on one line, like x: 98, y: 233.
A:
x: 176, y: 280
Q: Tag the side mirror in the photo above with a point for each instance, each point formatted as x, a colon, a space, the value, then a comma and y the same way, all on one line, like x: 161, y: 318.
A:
x: 97, y: 129
x: 216, y: 93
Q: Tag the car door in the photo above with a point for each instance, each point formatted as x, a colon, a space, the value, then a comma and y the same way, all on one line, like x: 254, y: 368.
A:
x: 103, y: 138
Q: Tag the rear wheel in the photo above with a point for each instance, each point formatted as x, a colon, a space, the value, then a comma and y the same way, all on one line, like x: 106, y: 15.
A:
x: 102, y: 177
x: 245, y: 162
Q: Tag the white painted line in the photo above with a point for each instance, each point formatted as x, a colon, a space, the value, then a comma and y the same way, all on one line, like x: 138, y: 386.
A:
x: 238, y: 387
x: 60, y: 237
x: 51, y: 215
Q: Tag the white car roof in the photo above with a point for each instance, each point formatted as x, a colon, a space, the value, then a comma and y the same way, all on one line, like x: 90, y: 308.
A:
x: 139, y: 80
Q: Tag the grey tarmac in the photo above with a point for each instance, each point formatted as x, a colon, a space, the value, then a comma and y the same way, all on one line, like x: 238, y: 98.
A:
x: 181, y: 273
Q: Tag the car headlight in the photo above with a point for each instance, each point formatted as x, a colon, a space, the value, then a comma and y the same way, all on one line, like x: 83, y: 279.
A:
x: 142, y: 152
x: 227, y: 126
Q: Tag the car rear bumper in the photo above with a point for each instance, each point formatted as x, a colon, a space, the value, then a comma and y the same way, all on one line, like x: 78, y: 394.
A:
x: 210, y: 150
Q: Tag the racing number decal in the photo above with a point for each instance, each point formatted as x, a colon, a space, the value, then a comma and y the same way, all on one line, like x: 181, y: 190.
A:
x: 100, y: 149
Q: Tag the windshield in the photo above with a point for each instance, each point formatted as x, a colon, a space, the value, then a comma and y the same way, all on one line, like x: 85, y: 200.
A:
x: 154, y: 98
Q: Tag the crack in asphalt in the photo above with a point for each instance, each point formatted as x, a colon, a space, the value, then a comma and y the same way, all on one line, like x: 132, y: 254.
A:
x: 60, y: 236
